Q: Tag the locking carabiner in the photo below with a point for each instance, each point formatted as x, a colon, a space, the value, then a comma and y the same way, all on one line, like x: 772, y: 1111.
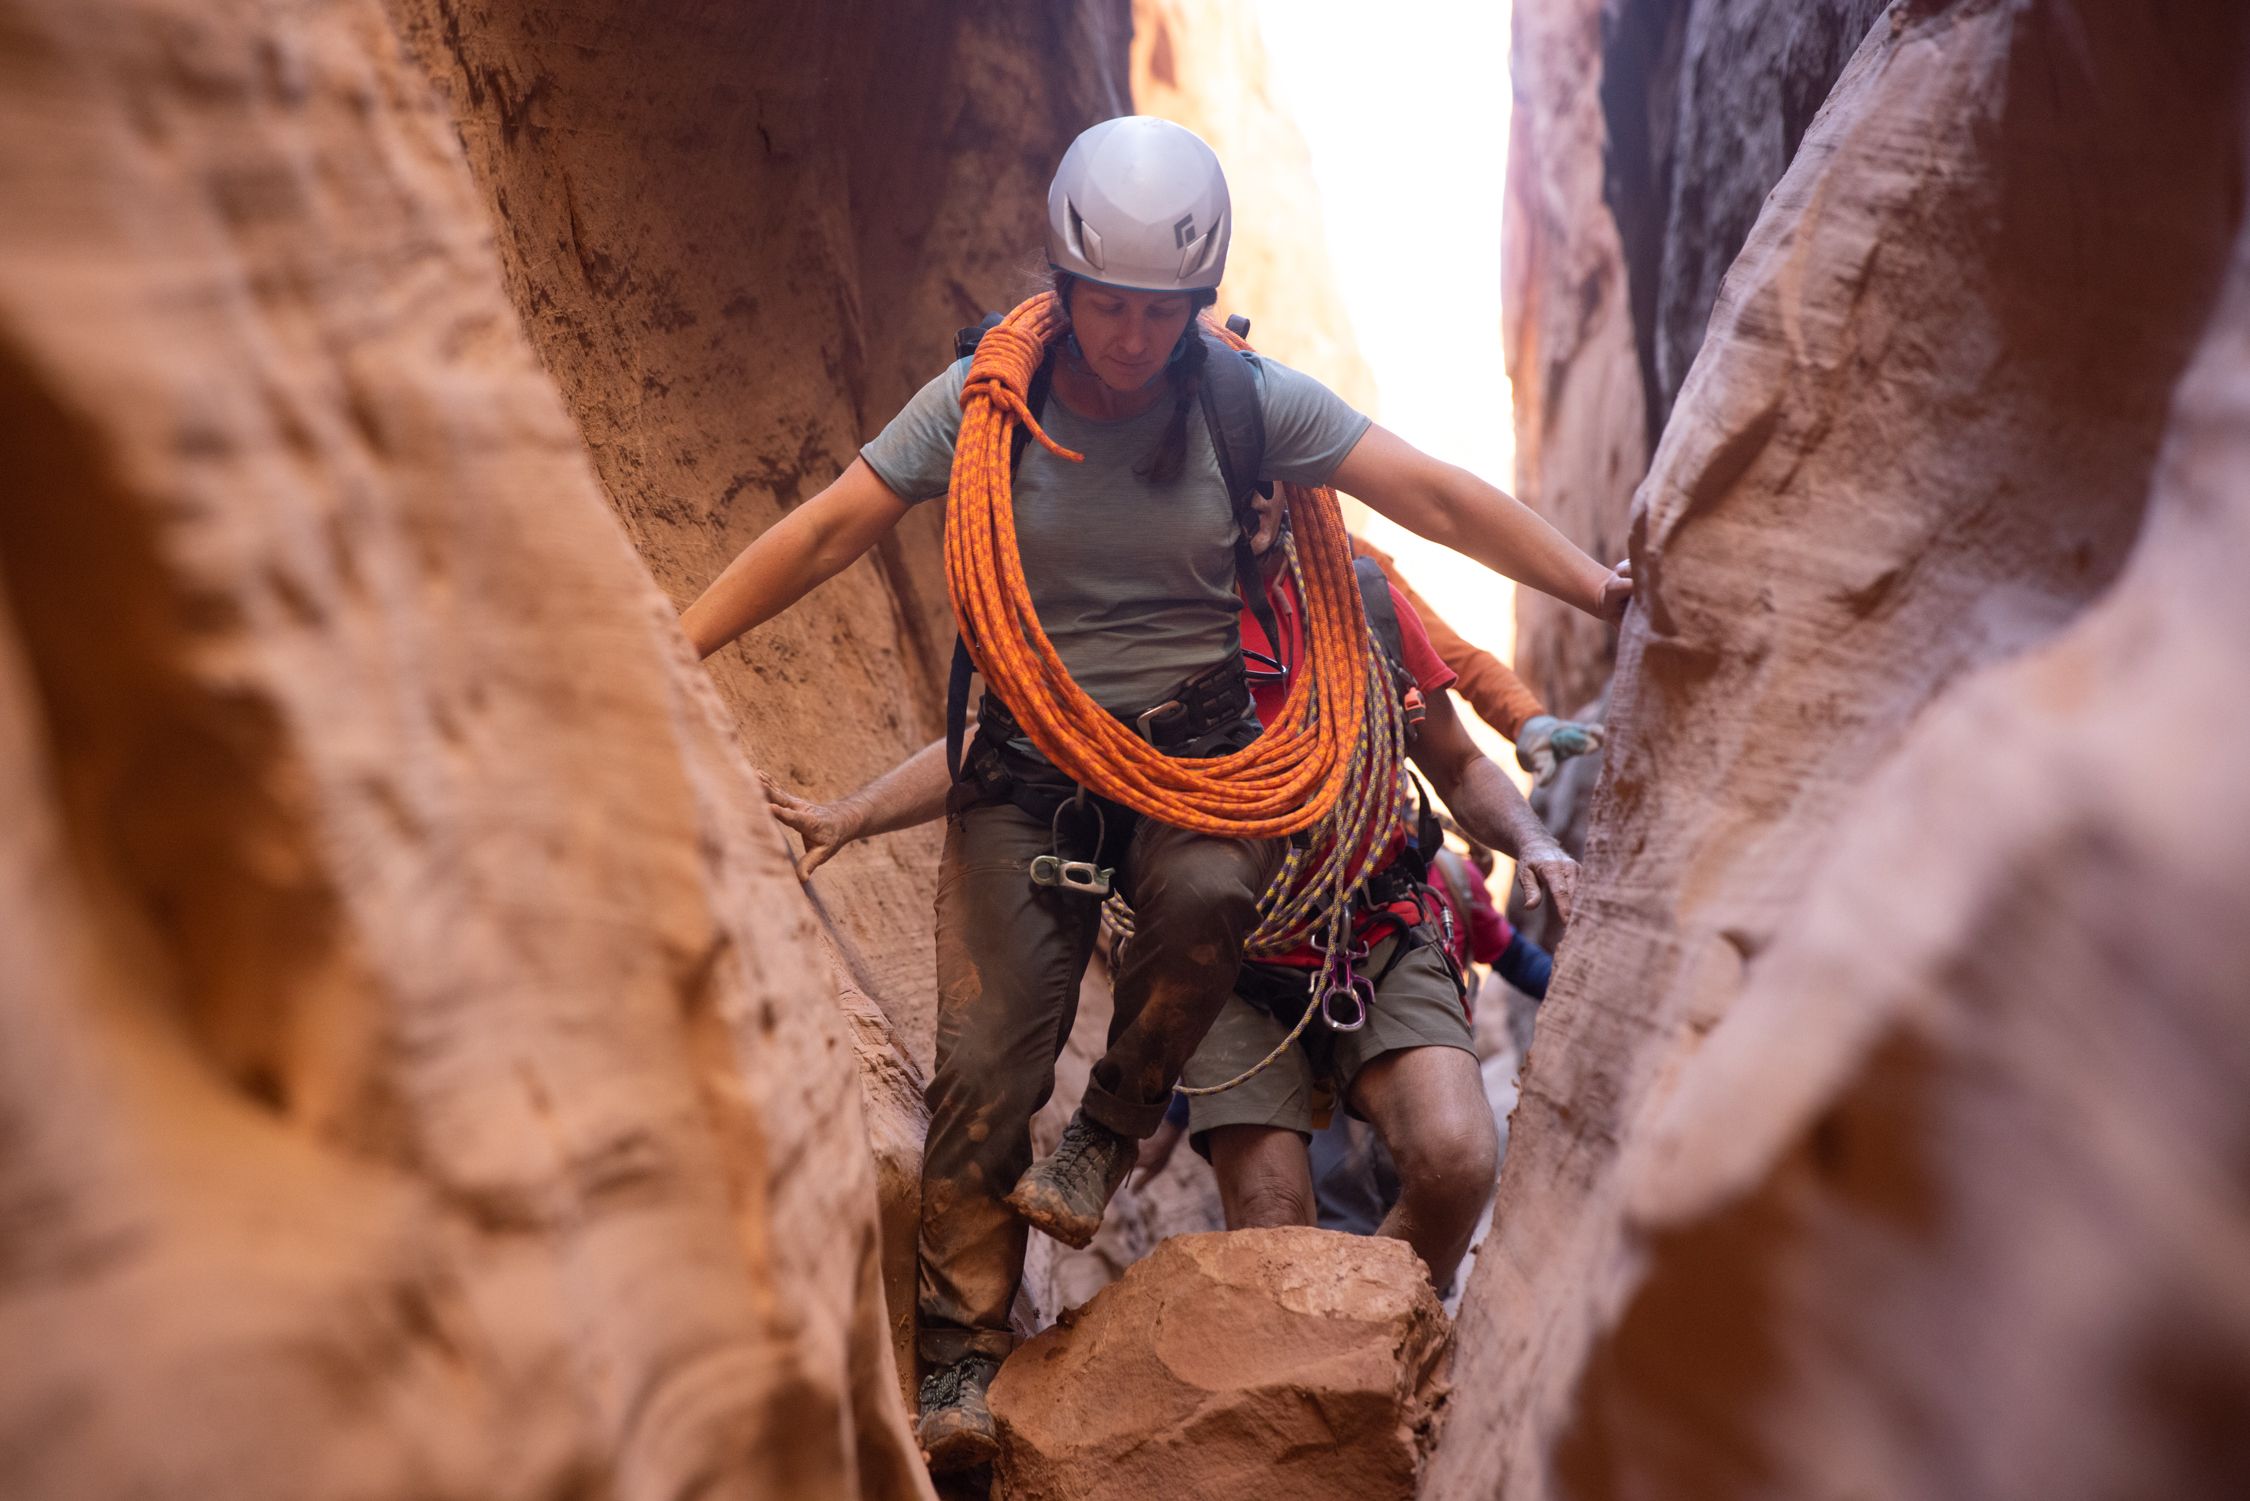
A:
x: 1358, y: 991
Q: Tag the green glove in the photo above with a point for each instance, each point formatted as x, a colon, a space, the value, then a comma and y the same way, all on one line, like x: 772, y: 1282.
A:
x: 1545, y: 742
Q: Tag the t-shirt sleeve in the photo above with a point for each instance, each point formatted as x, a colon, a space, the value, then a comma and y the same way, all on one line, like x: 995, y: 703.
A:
x: 913, y: 454
x: 1309, y: 428
x: 1431, y: 674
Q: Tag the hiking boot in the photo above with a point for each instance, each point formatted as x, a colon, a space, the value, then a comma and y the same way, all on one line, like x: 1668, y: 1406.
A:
x: 955, y: 1429
x: 1065, y: 1194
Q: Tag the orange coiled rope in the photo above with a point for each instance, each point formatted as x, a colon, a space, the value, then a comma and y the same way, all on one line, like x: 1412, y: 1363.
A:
x: 1289, y: 779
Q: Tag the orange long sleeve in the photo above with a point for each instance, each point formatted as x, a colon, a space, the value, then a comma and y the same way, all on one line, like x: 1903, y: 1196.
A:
x: 1491, y: 687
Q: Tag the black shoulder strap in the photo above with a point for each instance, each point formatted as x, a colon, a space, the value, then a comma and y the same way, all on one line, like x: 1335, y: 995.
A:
x: 1236, y: 420
x: 965, y: 342
x: 1382, y: 614
x: 957, y: 679
x: 957, y: 708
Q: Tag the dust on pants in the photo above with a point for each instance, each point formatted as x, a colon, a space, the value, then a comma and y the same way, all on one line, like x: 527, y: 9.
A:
x: 1010, y: 958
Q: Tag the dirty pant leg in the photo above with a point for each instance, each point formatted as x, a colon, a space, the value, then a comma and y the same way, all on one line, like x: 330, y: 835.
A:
x: 1009, y: 956
x: 1195, y: 902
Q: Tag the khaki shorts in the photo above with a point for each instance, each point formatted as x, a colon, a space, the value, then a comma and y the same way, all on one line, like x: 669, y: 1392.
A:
x: 1416, y: 1006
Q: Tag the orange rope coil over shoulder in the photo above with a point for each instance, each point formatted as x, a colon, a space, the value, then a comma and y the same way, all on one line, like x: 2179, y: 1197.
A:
x: 1333, y: 760
x: 1289, y: 779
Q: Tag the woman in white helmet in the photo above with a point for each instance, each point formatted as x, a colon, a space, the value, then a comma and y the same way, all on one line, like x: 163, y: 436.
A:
x: 1131, y: 561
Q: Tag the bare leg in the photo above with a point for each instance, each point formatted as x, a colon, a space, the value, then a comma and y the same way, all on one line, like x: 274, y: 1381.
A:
x: 1429, y: 1107
x: 1264, y: 1176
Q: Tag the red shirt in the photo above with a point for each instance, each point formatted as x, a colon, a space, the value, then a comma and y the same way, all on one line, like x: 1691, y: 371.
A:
x: 1480, y: 933
x: 1429, y: 671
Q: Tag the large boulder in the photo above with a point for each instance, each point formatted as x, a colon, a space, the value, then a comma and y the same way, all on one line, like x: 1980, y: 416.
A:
x: 1293, y: 1362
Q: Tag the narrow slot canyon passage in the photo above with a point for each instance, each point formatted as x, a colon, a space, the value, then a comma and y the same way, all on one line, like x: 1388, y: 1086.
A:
x: 471, y: 1030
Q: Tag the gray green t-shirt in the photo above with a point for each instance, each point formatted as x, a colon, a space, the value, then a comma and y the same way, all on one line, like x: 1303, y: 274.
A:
x: 1133, y: 581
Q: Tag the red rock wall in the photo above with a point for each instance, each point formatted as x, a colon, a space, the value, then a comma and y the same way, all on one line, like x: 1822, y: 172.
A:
x: 419, y: 1069
x: 1881, y: 1135
x: 741, y: 236
x: 1581, y: 443
x: 1647, y: 134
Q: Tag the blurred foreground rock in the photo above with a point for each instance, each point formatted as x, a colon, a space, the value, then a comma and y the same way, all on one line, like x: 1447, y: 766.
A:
x: 1290, y: 1363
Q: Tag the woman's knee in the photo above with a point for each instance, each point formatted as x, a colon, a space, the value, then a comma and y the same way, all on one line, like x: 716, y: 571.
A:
x: 1210, y: 883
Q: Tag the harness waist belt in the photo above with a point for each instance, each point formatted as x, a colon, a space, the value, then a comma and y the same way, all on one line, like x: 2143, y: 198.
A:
x: 1209, y: 701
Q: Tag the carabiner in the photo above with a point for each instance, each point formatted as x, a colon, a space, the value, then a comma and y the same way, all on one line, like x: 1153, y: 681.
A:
x: 1359, y: 991
x: 1082, y: 876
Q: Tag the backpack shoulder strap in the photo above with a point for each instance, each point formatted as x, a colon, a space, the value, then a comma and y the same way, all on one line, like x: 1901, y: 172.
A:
x: 1382, y: 614
x: 1236, y: 418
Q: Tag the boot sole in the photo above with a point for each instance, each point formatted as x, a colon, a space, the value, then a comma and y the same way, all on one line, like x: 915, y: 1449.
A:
x: 1039, y: 1210
x: 952, y: 1450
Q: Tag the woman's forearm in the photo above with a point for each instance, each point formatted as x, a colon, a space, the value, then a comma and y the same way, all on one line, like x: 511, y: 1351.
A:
x: 1452, y: 507
x: 912, y: 792
x: 1507, y: 536
x: 765, y: 578
x: 801, y: 551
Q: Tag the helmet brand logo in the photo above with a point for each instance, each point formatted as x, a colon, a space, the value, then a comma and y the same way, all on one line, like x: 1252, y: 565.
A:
x: 1183, y: 231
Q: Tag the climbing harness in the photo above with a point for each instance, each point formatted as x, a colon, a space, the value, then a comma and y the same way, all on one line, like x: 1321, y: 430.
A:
x: 1328, y: 770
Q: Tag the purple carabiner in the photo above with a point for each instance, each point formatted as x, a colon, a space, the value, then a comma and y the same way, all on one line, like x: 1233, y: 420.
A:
x: 1356, y: 989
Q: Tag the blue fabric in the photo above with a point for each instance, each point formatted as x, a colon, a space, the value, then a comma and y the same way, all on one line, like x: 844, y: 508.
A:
x: 1526, y: 966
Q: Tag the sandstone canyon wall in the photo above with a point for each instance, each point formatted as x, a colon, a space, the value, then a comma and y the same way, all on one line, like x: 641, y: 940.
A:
x: 421, y: 1072
x: 741, y: 236
x: 1883, y: 1131
x: 1647, y: 135
x: 1581, y: 443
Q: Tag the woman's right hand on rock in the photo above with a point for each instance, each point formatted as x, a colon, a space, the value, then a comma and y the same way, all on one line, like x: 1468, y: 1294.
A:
x: 824, y: 827
x: 1616, y: 593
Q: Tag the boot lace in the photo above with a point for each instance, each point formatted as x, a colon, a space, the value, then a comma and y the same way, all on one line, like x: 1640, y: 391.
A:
x: 944, y: 1386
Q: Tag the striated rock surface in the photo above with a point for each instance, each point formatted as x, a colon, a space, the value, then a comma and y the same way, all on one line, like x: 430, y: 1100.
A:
x: 1882, y: 1133
x: 1294, y: 1362
x: 1705, y: 102
x: 741, y: 236
x: 1581, y: 443
x: 417, y: 1069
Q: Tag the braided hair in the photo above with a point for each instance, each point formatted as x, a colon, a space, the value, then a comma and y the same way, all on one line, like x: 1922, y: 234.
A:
x: 1183, y: 372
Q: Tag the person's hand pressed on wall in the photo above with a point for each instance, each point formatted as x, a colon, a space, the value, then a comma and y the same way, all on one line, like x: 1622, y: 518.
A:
x: 824, y: 827
x: 1617, y: 592
x: 1542, y: 870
